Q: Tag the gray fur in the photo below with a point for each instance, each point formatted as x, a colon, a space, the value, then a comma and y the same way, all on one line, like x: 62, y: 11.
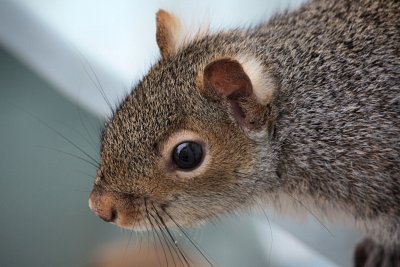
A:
x: 333, y: 131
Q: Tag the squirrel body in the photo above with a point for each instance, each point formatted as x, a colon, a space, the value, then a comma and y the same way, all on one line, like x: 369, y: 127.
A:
x: 304, y: 107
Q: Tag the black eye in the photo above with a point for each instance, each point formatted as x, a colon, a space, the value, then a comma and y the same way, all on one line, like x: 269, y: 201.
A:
x: 187, y: 155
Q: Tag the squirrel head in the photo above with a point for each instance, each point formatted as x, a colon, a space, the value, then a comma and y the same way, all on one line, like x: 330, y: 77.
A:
x: 184, y: 146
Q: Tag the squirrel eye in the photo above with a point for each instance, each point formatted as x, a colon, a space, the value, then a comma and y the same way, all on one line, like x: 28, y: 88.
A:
x: 187, y: 155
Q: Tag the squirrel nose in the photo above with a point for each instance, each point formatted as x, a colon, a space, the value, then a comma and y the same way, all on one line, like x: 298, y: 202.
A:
x: 102, y: 205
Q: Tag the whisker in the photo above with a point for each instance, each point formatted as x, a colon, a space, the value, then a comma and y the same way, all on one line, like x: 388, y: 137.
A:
x: 92, y: 146
x: 304, y: 206
x: 189, y: 238
x: 154, y: 241
x: 82, y: 191
x: 154, y: 231
x: 140, y: 240
x: 70, y: 154
x: 55, y: 130
x: 164, y: 237
x: 147, y: 231
x: 172, y: 240
x: 129, y: 241
x: 270, y: 231
x: 89, y: 175
x: 126, y: 250
x: 87, y: 130
x: 312, y: 214
x: 96, y: 82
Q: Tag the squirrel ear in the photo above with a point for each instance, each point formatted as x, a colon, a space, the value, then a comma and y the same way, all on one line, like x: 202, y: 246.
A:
x: 248, y: 94
x: 167, y: 33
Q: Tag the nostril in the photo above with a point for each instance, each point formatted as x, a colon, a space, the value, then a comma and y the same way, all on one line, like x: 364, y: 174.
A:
x: 108, y: 217
x: 114, y: 215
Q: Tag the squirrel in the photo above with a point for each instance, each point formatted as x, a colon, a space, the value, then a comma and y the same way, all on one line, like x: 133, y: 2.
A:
x: 304, y: 108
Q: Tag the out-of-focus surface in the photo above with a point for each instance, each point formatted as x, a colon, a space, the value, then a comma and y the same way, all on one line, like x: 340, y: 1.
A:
x: 45, y: 220
x: 152, y: 255
x: 54, y: 57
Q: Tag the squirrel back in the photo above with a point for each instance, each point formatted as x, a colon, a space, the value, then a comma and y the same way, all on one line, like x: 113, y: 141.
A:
x: 338, y: 107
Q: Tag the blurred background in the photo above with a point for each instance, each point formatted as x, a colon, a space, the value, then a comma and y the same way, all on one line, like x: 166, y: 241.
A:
x: 59, y: 60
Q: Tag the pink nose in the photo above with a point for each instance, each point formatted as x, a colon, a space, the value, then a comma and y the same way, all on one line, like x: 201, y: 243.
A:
x: 102, y: 205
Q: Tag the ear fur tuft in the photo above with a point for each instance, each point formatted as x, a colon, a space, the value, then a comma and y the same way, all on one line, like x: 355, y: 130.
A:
x: 263, y: 82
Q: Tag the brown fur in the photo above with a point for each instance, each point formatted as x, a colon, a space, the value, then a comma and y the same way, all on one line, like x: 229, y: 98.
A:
x: 322, y: 121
